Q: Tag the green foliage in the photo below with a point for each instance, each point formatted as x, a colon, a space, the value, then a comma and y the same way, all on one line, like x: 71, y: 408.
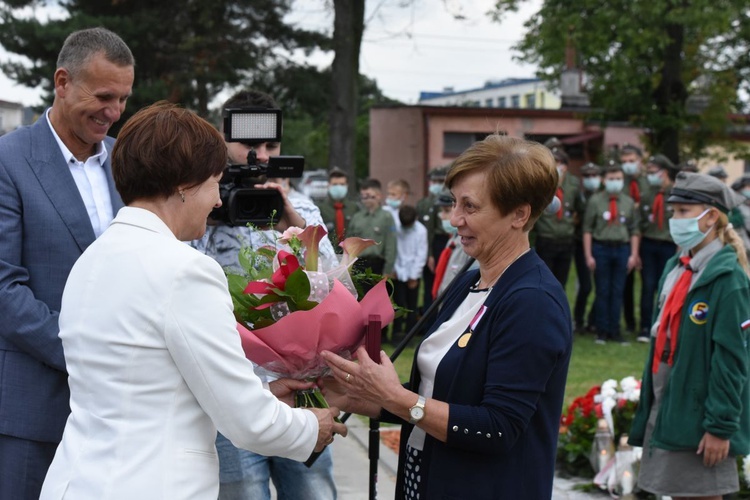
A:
x: 186, y: 51
x: 671, y: 67
x: 303, y: 92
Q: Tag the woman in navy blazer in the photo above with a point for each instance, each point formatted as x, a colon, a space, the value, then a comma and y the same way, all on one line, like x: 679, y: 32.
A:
x: 481, y: 410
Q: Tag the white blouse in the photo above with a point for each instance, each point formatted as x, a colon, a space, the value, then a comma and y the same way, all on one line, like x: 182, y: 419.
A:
x: 434, y: 348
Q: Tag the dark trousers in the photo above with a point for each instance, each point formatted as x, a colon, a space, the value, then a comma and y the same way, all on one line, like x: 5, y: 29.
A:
x: 584, y: 287
x: 609, y: 278
x: 23, y: 465
x: 628, y: 301
x: 557, y: 254
x: 406, y: 297
x: 654, y: 257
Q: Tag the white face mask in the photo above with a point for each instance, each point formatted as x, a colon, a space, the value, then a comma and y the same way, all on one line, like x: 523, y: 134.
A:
x: 592, y: 183
x: 447, y: 226
x: 630, y: 168
x: 614, y: 186
x: 654, y: 179
x: 435, y: 189
x: 686, y: 233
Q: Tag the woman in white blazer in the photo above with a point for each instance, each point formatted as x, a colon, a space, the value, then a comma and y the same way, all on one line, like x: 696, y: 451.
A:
x: 154, y: 361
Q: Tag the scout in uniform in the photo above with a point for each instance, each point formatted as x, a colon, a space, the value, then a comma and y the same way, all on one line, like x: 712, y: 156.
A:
x: 554, y: 231
x: 338, y: 208
x: 636, y: 184
x: 373, y: 222
x: 693, y: 417
x: 656, y: 246
x: 610, y: 244
x: 437, y: 238
x: 591, y: 182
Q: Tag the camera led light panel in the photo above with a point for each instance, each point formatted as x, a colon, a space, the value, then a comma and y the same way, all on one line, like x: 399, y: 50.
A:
x: 252, y: 125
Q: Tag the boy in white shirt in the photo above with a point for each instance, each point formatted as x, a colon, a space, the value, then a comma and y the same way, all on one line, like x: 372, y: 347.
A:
x: 411, y: 257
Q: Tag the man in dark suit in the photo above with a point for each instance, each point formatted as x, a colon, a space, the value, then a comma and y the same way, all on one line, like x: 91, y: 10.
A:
x: 56, y: 196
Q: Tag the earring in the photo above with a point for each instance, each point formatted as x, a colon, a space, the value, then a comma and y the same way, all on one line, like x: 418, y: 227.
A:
x: 182, y: 195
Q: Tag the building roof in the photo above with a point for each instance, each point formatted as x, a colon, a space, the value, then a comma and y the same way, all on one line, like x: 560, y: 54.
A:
x: 490, y: 84
x: 10, y: 105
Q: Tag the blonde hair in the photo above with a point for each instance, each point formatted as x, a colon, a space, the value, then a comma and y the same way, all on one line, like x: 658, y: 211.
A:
x: 728, y: 236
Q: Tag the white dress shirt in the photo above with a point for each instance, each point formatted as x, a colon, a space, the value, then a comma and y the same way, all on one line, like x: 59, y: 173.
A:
x: 411, y: 251
x: 91, y: 180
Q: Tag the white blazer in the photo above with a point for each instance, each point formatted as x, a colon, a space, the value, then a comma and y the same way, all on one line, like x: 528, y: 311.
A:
x: 155, y: 367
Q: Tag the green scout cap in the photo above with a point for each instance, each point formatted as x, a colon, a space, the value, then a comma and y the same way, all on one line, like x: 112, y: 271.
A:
x: 591, y: 168
x: 662, y: 161
x: 444, y: 199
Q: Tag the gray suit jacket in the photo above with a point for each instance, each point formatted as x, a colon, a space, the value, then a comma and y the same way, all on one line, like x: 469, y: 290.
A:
x: 44, y: 228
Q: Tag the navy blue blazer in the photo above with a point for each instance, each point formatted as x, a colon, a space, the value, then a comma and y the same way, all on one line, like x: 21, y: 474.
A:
x: 44, y: 228
x: 505, y: 390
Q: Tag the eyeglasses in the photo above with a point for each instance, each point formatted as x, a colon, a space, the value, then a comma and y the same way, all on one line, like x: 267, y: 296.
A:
x: 590, y: 175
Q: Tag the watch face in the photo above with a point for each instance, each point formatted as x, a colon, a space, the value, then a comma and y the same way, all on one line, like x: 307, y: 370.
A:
x: 416, y: 413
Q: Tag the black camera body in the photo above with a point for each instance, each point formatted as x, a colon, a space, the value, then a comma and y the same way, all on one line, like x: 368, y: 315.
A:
x: 242, y: 202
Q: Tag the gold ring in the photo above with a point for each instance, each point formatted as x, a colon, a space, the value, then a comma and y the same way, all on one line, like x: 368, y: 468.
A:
x: 348, y: 376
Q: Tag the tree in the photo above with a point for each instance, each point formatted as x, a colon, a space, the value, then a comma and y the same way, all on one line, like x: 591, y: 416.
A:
x: 666, y: 65
x: 303, y: 93
x: 186, y: 51
x: 348, y: 26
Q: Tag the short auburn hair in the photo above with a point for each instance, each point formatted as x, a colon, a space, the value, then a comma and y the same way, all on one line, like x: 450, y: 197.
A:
x: 518, y: 172
x: 163, y: 147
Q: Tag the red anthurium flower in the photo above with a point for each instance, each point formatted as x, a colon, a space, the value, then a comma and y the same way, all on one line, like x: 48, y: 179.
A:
x: 288, y: 263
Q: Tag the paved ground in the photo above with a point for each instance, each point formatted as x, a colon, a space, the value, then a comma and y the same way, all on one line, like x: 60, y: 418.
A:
x: 351, y: 469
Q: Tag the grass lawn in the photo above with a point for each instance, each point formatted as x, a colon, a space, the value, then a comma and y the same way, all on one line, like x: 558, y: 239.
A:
x: 590, y: 364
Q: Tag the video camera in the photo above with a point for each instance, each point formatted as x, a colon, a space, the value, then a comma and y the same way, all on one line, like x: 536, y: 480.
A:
x: 242, y: 203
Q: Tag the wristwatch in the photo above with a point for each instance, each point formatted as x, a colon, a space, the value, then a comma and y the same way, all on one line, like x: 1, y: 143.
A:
x: 416, y: 412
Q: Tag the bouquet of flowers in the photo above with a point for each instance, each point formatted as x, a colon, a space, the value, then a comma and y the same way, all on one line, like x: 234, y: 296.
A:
x: 288, y: 309
x: 614, y: 404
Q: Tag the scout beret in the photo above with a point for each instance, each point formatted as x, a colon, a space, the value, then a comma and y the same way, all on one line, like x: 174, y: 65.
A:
x: 703, y: 189
x: 444, y: 199
x: 718, y: 172
x: 591, y: 168
x: 662, y: 161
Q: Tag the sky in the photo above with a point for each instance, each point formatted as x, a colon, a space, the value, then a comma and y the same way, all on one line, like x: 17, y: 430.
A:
x: 409, y: 46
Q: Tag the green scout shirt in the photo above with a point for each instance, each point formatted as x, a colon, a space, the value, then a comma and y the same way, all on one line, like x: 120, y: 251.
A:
x: 549, y: 226
x: 328, y: 212
x: 379, y: 226
x: 429, y: 215
x: 707, y: 389
x: 596, y: 221
x: 648, y: 219
x: 583, y: 201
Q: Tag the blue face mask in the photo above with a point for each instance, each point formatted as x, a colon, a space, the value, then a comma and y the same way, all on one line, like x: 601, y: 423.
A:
x: 630, y: 168
x: 686, y: 233
x: 592, y: 183
x: 614, y: 186
x: 393, y: 203
x: 337, y: 191
x: 447, y: 226
x: 746, y: 193
x: 654, y: 179
x: 435, y: 189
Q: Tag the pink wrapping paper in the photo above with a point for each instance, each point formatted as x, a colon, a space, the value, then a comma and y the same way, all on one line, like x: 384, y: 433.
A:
x: 292, y: 345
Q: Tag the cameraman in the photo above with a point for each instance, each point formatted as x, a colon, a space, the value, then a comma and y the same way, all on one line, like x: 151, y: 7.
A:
x: 245, y: 475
